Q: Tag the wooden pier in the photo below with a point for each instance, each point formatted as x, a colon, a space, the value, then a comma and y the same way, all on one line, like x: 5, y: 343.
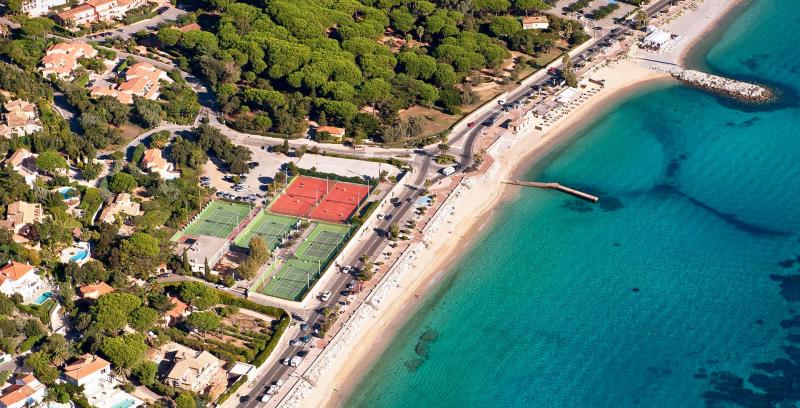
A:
x: 555, y: 186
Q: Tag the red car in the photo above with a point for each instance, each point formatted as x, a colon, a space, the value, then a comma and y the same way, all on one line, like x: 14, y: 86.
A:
x: 471, y: 124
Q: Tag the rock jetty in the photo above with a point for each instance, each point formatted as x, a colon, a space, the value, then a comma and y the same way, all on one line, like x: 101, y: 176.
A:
x: 729, y: 87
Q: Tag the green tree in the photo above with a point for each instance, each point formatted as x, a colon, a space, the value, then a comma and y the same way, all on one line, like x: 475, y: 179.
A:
x: 147, y: 113
x: 259, y: 252
x: 169, y: 36
x: 146, y: 372
x: 569, y: 72
x: 141, y: 245
x: 505, y: 26
x: 42, y: 367
x: 203, y: 321
x: 122, y: 183
x: 184, y: 400
x: 143, y: 319
x: 198, y: 295
x: 124, y: 351
x: 49, y: 161
x: 528, y: 5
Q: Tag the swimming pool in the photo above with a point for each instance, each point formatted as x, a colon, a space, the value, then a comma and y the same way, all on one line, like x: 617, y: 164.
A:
x: 42, y: 298
x: 124, y: 404
x: 68, y: 193
x: 82, y: 254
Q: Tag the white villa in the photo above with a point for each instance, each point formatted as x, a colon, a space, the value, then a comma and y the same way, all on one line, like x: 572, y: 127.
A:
x: 24, y: 391
x: 38, y: 8
x: 155, y: 163
x: 99, y: 385
x: 23, y: 162
x: 20, y: 278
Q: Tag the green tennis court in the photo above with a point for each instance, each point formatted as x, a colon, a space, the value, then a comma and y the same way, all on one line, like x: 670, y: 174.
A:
x: 218, y: 219
x: 323, y: 242
x: 292, y: 279
x: 270, y: 227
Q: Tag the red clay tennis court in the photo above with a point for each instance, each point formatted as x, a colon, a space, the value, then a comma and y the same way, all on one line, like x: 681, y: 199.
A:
x: 340, y: 202
x: 300, y: 197
x: 310, y: 197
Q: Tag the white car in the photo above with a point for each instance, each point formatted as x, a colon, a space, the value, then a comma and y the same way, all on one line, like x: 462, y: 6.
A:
x: 272, y: 390
x: 325, y: 296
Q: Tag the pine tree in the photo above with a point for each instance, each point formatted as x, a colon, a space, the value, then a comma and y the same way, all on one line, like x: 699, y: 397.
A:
x: 185, y: 265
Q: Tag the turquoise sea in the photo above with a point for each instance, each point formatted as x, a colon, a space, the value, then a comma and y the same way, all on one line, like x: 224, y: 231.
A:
x: 681, y: 288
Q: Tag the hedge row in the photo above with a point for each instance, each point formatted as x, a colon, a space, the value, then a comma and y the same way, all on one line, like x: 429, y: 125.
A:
x: 231, y: 300
x: 232, y: 390
x: 336, y: 177
x: 281, y: 327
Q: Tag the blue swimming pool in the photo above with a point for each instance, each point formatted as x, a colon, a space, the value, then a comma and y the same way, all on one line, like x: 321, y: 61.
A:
x: 42, y: 298
x: 67, y: 193
x: 82, y: 254
x: 124, y: 404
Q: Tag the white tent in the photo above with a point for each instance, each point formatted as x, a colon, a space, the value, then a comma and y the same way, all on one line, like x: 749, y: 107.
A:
x: 657, y: 38
x: 567, y: 95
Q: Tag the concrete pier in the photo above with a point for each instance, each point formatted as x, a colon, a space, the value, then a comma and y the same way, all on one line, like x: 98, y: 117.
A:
x: 554, y: 186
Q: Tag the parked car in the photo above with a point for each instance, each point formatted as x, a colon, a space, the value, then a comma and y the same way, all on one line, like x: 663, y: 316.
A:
x: 252, y: 165
x: 325, y: 296
x: 306, y: 339
x: 272, y: 390
x: 471, y: 124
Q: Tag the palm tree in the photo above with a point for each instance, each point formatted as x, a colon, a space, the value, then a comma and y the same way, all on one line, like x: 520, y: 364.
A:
x: 443, y: 148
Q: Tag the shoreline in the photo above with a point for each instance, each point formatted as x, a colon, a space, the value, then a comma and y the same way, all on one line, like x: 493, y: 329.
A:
x: 476, y: 210
x: 528, y: 153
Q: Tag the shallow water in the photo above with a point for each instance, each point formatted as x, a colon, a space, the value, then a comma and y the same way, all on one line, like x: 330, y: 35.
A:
x: 673, y: 291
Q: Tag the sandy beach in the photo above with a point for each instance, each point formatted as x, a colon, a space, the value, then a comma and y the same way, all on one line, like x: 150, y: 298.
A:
x: 471, y: 210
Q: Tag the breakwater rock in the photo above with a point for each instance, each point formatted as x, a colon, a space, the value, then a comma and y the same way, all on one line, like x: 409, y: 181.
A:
x: 742, y: 91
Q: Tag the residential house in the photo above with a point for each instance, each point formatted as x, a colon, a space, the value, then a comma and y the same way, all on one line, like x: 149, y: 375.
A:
x: 62, y: 59
x: 336, y: 133
x: 122, y: 204
x: 88, y: 371
x: 179, y: 311
x: 16, y: 277
x: 38, y: 8
x: 20, y: 216
x: 535, y: 23
x: 94, y: 290
x: 25, y: 391
x: 23, y: 162
x: 95, y: 11
x: 189, y: 27
x: 155, y: 163
x: 193, y: 370
x: 20, y: 119
x: 141, y: 79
